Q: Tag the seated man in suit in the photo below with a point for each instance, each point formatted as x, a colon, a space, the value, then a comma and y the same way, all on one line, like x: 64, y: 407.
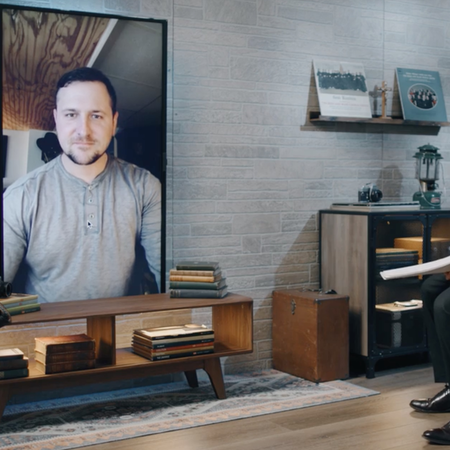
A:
x: 436, y: 311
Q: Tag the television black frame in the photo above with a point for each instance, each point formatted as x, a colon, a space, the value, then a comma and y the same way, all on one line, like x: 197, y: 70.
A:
x: 163, y: 137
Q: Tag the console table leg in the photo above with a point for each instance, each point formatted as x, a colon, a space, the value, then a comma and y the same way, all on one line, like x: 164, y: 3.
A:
x: 214, y: 371
x: 191, y: 378
x: 4, y: 397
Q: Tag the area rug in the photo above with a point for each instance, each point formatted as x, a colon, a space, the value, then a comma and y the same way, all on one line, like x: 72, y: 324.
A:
x: 85, y: 420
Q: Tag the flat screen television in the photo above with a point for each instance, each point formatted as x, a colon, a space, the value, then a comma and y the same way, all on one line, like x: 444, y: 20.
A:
x: 38, y: 46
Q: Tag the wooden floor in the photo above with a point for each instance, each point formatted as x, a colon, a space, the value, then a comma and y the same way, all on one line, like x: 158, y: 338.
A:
x: 379, y: 422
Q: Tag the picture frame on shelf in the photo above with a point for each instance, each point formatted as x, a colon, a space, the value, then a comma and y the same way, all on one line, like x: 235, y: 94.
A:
x: 421, y: 95
x: 342, y: 89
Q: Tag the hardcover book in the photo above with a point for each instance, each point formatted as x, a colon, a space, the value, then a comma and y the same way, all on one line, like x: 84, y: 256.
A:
x: 11, y: 353
x: 51, y: 358
x: 421, y: 95
x: 23, y: 309
x: 197, y: 284
x: 196, y: 273
x: 13, y: 302
x: 197, y: 265
x: 187, y: 330
x: 160, y: 343
x: 198, y: 293
x: 16, y: 298
x: 14, y: 364
x: 175, y: 346
x: 13, y: 373
x: 63, y: 344
x: 207, y: 279
x: 341, y: 88
x: 65, y: 366
x: 177, y: 351
x: 147, y: 355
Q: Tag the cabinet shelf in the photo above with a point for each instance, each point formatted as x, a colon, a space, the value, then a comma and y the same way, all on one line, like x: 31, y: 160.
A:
x: 348, y: 264
x: 315, y: 117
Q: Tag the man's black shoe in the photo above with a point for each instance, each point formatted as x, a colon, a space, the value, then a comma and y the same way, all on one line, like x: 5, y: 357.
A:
x: 438, y: 435
x: 440, y: 403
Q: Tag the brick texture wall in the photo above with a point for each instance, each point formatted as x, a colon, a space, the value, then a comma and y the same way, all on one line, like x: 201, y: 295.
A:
x: 247, y: 171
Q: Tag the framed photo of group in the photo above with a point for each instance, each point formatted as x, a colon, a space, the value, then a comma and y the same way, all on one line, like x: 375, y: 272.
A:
x: 342, y: 89
x: 421, y: 95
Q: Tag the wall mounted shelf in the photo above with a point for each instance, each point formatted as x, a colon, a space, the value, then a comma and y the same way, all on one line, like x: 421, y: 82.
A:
x: 314, y: 117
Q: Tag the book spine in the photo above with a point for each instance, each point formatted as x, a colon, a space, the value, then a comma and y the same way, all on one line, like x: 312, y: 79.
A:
x: 11, y: 353
x: 14, y: 364
x: 197, y: 266
x: 24, y: 310
x: 16, y: 298
x: 173, y: 336
x: 195, y: 273
x: 201, y: 293
x: 174, y: 348
x: 17, y: 303
x: 65, y: 348
x: 208, y: 279
x: 181, y: 355
x: 172, y: 342
x: 196, y: 285
x: 13, y: 373
x: 64, y: 357
x: 65, y: 366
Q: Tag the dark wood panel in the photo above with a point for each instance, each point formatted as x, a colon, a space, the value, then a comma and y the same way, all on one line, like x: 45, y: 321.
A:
x: 37, y: 49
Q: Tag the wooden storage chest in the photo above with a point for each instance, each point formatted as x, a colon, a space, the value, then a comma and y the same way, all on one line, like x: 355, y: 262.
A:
x: 310, y: 334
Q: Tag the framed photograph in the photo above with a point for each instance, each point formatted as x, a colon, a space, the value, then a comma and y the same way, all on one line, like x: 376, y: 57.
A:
x: 421, y: 95
x: 342, y: 89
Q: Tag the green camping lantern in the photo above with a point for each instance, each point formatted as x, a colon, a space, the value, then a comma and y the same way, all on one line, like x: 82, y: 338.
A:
x: 427, y: 172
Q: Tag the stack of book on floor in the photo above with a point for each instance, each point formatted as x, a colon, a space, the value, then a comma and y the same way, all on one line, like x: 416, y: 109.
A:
x: 197, y: 279
x: 393, y: 258
x: 162, y: 343
x: 13, y: 364
x: 56, y: 354
x: 21, y: 303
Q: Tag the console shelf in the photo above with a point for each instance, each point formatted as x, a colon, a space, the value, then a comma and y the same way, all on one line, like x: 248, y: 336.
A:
x: 232, y: 321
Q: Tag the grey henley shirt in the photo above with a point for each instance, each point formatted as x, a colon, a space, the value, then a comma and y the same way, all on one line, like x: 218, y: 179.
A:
x: 78, y: 239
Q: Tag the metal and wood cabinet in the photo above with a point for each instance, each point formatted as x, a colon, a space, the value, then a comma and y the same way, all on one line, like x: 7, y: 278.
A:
x: 348, y: 264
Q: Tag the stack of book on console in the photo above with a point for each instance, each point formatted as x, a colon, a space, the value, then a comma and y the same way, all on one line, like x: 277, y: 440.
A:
x: 21, y: 303
x: 13, y: 364
x: 56, y: 354
x: 197, y: 279
x: 162, y: 343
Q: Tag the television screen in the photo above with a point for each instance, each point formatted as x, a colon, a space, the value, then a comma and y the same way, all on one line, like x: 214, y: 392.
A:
x: 80, y: 232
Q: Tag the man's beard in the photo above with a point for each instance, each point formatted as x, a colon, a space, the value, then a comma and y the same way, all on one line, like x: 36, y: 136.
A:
x: 81, y: 162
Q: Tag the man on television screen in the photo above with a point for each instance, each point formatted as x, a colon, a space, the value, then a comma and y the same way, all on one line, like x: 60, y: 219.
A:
x: 73, y: 227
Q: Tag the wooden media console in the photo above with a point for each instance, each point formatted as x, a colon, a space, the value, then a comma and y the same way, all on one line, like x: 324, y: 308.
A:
x: 232, y: 321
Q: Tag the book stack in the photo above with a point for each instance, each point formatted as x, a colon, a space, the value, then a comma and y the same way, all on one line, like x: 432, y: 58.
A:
x: 197, y: 279
x: 162, y: 343
x: 21, y: 303
x: 392, y: 258
x: 56, y: 354
x: 13, y: 364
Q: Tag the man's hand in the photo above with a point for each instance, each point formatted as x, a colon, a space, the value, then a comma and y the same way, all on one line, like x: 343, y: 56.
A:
x: 447, y: 276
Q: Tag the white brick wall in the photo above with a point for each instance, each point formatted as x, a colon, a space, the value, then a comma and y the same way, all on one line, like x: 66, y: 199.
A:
x: 247, y: 172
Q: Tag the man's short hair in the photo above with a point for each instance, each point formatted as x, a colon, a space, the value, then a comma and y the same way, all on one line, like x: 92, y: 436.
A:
x: 87, y: 74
